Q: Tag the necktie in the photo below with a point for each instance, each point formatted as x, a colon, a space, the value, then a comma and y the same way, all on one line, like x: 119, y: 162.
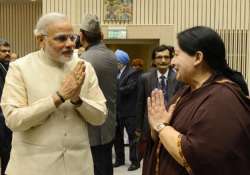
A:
x: 164, y: 87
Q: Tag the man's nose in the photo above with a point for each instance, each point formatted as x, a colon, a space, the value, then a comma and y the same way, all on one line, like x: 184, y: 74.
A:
x: 163, y: 59
x: 69, y: 43
x: 8, y: 53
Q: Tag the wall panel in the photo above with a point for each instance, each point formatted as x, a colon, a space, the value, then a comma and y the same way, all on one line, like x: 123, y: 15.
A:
x: 17, y: 21
x: 229, y: 17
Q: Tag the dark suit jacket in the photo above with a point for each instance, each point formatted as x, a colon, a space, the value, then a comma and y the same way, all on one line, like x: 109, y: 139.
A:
x: 127, y: 92
x: 5, y: 133
x: 104, y: 62
x: 148, y: 82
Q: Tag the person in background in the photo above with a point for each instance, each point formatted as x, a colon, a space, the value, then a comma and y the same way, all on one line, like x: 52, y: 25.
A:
x: 152, y: 66
x: 79, y: 49
x: 205, y: 130
x: 126, y: 108
x: 5, y: 132
x: 49, y: 97
x: 137, y: 63
x: 104, y: 62
x: 163, y: 77
x: 13, y: 56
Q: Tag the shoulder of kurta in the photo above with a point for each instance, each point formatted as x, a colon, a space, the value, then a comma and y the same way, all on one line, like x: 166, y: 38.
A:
x: 76, y: 59
x: 89, y: 66
x: 23, y: 63
x: 219, y: 90
x: 25, y: 60
x: 221, y: 96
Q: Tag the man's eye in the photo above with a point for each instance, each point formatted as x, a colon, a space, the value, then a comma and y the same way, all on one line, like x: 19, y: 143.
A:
x: 5, y: 51
x: 61, y: 38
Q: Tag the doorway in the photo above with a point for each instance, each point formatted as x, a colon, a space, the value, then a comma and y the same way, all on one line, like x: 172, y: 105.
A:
x: 136, y: 48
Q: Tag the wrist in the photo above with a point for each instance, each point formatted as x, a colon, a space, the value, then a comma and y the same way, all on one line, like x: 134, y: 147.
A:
x: 77, y: 102
x: 75, y: 98
x: 57, y: 100
x: 61, y: 97
x: 158, y: 127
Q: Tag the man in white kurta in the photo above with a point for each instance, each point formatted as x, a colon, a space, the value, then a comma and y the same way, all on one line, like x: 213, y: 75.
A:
x: 50, y: 137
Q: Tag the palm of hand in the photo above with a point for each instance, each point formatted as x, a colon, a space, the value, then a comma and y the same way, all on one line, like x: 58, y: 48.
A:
x: 69, y: 86
x: 158, y: 114
x: 72, y: 83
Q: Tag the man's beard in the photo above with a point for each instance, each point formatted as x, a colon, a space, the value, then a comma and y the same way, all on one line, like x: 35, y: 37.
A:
x: 64, y: 59
x: 61, y: 58
x: 69, y: 53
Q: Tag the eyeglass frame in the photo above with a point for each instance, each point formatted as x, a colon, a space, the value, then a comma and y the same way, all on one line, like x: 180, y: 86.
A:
x: 163, y: 56
x: 66, y: 37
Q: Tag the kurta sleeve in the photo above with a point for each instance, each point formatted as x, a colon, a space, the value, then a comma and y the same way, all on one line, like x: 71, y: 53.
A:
x: 93, y: 108
x: 216, y: 133
x: 19, y: 115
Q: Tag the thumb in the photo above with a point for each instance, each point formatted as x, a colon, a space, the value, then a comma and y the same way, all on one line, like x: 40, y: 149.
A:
x: 171, y: 109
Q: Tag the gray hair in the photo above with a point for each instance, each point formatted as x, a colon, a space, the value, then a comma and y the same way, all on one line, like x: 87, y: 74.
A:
x: 47, y: 19
x: 4, y: 42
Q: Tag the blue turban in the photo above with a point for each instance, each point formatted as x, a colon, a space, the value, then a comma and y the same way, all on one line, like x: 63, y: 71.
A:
x: 121, y: 56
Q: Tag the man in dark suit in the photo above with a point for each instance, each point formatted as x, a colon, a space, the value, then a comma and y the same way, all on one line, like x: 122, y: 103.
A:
x: 163, y: 77
x: 126, y: 112
x: 104, y: 62
x: 5, y: 133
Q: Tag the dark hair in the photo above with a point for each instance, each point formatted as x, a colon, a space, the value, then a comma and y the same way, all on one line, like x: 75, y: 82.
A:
x: 162, y: 48
x: 209, y: 42
x: 92, y: 38
x: 4, y: 42
x: 137, y: 62
x: 78, y: 42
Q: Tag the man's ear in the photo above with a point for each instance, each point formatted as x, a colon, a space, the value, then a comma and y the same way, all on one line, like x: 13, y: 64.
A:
x: 40, y: 40
x: 81, y: 37
x: 83, y: 40
x: 198, y: 58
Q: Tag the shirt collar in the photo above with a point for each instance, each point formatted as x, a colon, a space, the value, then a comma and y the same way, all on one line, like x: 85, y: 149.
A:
x: 123, y: 69
x: 159, y: 74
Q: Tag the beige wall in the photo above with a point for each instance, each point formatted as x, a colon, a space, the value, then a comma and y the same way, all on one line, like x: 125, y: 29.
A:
x: 231, y: 18
x: 165, y: 33
x: 219, y: 14
x: 17, y: 21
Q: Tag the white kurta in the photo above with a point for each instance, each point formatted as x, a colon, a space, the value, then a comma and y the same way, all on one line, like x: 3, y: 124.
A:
x: 49, y: 140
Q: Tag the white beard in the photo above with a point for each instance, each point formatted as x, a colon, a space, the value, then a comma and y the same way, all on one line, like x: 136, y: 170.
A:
x: 60, y: 59
x: 63, y: 59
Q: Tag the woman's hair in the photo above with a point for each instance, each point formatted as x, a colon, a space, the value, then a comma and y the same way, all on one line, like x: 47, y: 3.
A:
x: 209, y: 42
